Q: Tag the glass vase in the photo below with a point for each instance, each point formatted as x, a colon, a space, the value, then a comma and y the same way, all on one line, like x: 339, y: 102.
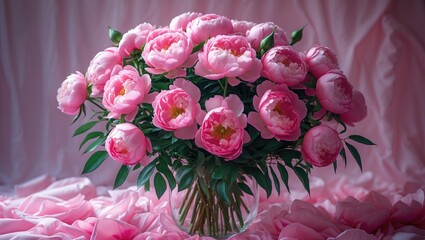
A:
x: 200, y: 210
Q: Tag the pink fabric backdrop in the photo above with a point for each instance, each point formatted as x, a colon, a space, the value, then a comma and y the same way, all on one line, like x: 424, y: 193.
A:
x: 380, y: 44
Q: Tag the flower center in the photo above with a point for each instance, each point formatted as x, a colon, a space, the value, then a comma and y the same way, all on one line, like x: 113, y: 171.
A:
x: 122, y: 92
x: 176, y: 111
x: 221, y: 132
x: 343, y: 92
x: 279, y: 108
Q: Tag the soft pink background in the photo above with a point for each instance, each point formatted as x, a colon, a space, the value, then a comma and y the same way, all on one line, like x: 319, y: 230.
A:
x: 380, y: 44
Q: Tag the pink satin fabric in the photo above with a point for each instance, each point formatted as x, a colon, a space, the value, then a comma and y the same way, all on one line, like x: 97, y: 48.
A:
x: 73, y: 208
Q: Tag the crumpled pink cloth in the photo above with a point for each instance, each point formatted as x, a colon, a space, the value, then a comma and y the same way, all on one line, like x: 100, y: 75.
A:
x: 74, y: 208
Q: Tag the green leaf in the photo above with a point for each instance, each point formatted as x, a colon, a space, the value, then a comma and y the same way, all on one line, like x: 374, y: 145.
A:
x: 288, y: 154
x: 183, y: 170
x: 245, y: 188
x: 80, y: 112
x: 221, y: 172
x: 137, y: 166
x: 275, y: 180
x: 94, y: 161
x: 343, y: 155
x: 361, y: 139
x: 261, y: 179
x: 267, y: 42
x: 186, y: 180
x: 90, y: 136
x: 95, y: 144
x: 302, y: 175
x: 297, y: 35
x: 160, y: 185
x: 198, y: 47
x: 114, y: 35
x: 145, y: 174
x: 121, y: 175
x: 223, y: 191
x: 284, y: 175
x: 84, y: 128
x: 355, y: 155
x: 162, y: 167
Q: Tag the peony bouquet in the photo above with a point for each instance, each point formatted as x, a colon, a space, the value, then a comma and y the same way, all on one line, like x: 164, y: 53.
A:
x: 209, y: 105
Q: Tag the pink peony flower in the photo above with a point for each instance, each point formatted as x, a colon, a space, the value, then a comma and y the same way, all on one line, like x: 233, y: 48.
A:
x: 181, y: 21
x: 262, y: 30
x: 321, y: 60
x: 241, y: 27
x: 166, y: 51
x: 334, y: 92
x: 101, y: 68
x: 279, y: 112
x: 128, y: 145
x: 125, y: 91
x: 134, y: 39
x: 222, y: 129
x: 72, y: 94
x: 209, y: 25
x: 321, y: 146
x: 176, y: 109
x: 358, y: 109
x: 282, y: 64
x: 228, y: 56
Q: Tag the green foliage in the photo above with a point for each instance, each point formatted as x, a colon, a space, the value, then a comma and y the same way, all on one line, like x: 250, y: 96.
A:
x: 114, y: 35
x: 160, y: 185
x: 84, y: 128
x: 355, y: 155
x: 121, y: 175
x: 267, y: 43
x: 361, y: 139
x: 296, y: 36
x: 94, y: 161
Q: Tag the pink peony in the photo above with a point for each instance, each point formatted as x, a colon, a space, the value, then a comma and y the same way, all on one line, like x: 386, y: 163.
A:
x: 241, y: 27
x: 101, y: 67
x: 176, y: 109
x: 321, y: 146
x: 358, y: 109
x: 228, y: 56
x: 72, y: 94
x: 209, y: 25
x: 282, y: 64
x: 279, y: 112
x: 321, y: 60
x: 134, y: 39
x: 258, y: 32
x: 222, y: 129
x: 166, y: 51
x: 125, y: 91
x: 181, y: 21
x: 128, y: 145
x: 334, y: 92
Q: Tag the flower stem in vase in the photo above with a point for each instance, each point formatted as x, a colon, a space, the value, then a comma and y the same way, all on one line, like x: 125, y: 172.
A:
x: 204, y: 212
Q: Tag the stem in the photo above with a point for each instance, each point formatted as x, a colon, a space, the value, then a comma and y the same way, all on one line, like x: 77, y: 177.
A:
x: 186, y: 210
x: 97, y: 105
x: 226, y: 83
